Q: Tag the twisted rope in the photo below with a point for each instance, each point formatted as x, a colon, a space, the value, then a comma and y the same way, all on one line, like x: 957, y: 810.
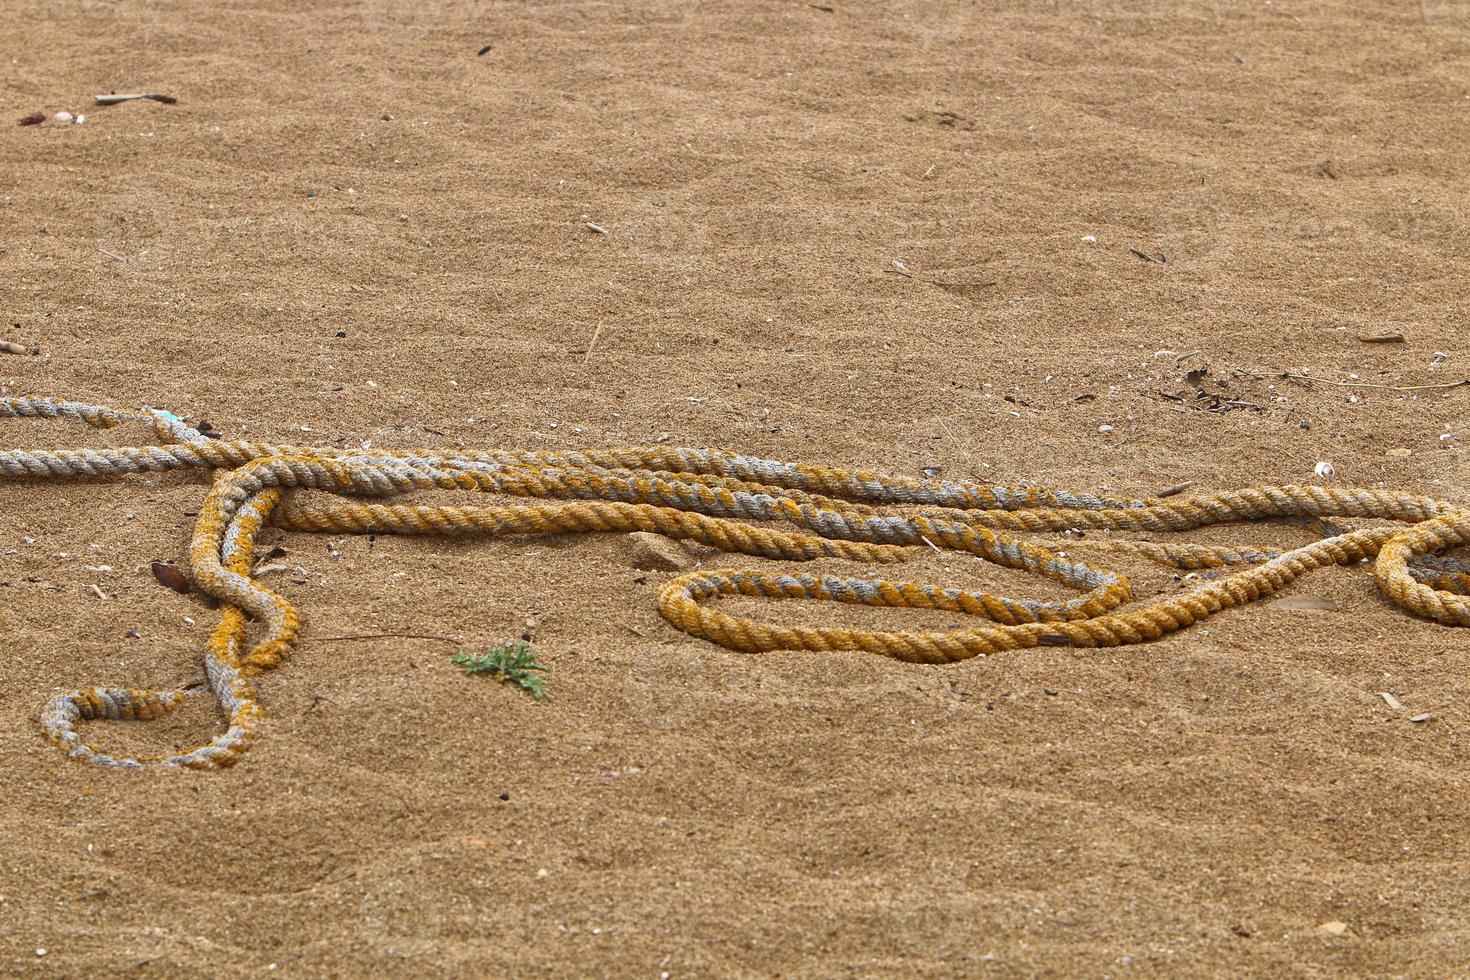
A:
x: 711, y: 496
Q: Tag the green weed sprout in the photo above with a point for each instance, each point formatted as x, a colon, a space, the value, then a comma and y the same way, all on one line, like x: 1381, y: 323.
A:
x: 512, y: 663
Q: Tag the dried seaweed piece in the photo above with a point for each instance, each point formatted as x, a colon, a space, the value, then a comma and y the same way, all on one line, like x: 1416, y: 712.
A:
x: 170, y: 576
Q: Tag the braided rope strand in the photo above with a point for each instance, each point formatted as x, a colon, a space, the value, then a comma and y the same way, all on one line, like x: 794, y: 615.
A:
x: 735, y: 503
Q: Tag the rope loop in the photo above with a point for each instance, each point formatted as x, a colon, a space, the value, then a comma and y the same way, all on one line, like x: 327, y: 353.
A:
x: 738, y: 504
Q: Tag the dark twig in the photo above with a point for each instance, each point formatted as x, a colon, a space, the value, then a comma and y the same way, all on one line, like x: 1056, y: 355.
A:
x: 384, y: 636
x: 114, y: 99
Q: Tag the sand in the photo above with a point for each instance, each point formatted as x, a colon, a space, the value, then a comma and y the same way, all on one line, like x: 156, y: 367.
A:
x: 352, y: 227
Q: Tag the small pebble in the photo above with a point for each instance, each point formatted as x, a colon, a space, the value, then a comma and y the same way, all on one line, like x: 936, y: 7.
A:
x: 655, y: 553
x: 1105, y: 429
x: 63, y: 117
x: 1090, y: 239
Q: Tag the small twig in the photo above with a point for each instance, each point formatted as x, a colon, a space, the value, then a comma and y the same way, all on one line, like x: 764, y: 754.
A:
x: 384, y: 636
x: 112, y: 255
x: 1364, y: 384
x: 931, y: 544
x: 591, y: 344
x: 596, y: 228
x: 317, y: 699
x: 1389, y: 138
x: 1175, y: 490
x: 114, y: 99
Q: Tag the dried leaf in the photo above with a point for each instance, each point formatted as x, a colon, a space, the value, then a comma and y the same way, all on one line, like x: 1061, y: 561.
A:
x: 1382, y: 338
x: 171, y: 577
x: 1391, y: 701
x: 1333, y: 928
x: 1420, y: 719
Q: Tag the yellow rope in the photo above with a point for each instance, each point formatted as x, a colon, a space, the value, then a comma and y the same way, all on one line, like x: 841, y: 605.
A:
x: 735, y: 503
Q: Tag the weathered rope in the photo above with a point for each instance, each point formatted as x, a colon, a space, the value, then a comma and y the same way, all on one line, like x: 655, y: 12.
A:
x: 709, y: 496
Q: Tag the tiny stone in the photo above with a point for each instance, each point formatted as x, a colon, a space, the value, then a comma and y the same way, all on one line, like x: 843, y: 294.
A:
x: 1399, y: 453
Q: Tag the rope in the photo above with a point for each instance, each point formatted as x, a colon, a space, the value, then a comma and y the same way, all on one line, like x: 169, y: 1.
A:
x: 739, y: 504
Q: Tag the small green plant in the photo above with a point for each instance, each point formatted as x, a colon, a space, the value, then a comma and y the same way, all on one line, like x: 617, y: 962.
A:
x: 510, y: 662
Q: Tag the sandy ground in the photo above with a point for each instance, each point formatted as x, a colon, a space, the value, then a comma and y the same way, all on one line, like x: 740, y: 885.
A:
x: 351, y: 227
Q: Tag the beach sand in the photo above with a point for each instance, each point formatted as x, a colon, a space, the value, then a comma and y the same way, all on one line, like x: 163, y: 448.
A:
x: 903, y: 235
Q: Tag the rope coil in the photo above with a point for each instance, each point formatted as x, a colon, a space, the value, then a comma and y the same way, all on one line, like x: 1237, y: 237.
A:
x: 708, y: 496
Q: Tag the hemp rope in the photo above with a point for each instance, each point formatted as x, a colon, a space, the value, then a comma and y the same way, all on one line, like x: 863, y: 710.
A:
x: 705, y: 495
